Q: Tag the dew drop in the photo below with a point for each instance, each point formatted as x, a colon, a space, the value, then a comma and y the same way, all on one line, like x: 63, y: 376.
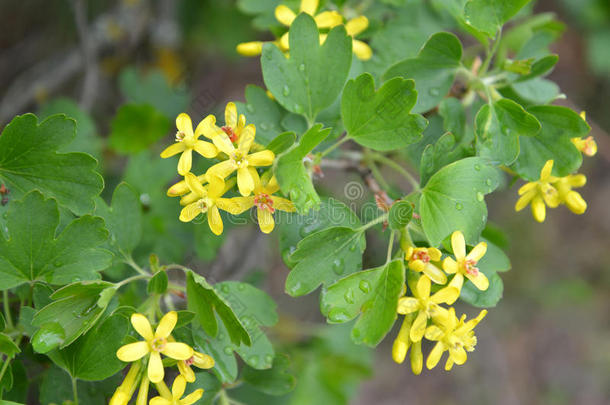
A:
x: 459, y: 206
x: 250, y: 108
x: 302, y: 67
x: 286, y: 91
x: 241, y: 286
x: 338, y: 266
x: 298, y: 108
x: 356, y: 333
x: 57, y: 263
x: 253, y: 361
x: 5, y: 215
x: 264, y: 126
x: 488, y: 182
x: 364, y: 286
x: 352, y: 248
x: 477, y: 167
x: 434, y: 92
x: 224, y: 288
x: 338, y: 315
x: 349, y: 296
x: 75, y: 279
x: 506, y: 130
x: 269, y: 359
x: 479, y: 196
x: 221, y: 336
x: 228, y: 350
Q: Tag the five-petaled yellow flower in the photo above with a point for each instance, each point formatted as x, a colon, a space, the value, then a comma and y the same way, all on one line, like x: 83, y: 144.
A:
x: 204, y: 200
x: 186, y: 142
x: 403, y: 342
x: 419, y: 259
x: 426, y: 305
x: 154, y: 344
x: 264, y: 200
x: 455, y: 336
x: 175, y: 396
x: 572, y: 199
x: 464, y: 264
x: 233, y: 127
x: 539, y: 193
x: 240, y: 159
x: 198, y: 360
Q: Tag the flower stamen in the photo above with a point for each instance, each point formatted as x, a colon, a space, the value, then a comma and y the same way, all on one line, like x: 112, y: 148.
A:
x: 264, y: 202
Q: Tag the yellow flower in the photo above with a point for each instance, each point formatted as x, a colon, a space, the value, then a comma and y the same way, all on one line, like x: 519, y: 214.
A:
x: 264, y: 200
x: 539, y: 193
x: 325, y: 19
x: 154, y: 344
x: 186, y: 142
x: 465, y: 265
x: 587, y: 146
x: 198, y: 360
x: 175, y: 397
x: 572, y: 199
x: 455, y: 336
x: 420, y: 260
x: 124, y: 392
x: 426, y: 305
x: 204, y: 200
x: 240, y: 159
x: 403, y: 342
x: 180, y: 188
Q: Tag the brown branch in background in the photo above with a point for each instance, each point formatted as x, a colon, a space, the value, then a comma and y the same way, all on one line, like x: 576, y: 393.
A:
x: 89, y: 57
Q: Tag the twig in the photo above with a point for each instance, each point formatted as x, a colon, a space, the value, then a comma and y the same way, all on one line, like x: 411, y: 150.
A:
x: 90, y: 82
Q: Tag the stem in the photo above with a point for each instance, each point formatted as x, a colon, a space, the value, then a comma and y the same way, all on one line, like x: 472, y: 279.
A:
x: 374, y: 222
x: 390, y: 246
x: 129, y: 261
x: 392, y: 164
x: 176, y: 267
x: 7, y: 309
x: 377, y: 174
x: 334, y: 146
x: 491, y: 53
x: 75, y: 390
x: 130, y: 279
x: 223, y: 398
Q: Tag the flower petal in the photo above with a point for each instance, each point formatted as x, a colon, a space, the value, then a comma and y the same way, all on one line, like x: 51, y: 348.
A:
x: 246, y: 138
x: 435, y: 254
x: 417, y: 358
x: 417, y: 265
x: 422, y: 288
x: 458, y: 245
x: 190, y: 212
x: 160, y: 401
x: 538, y: 209
x: 328, y: 19
x: 133, y: 351
x: 527, y: 187
x: 221, y: 170
x: 577, y: 180
x: 184, y: 124
x: 282, y: 204
x: 186, y: 371
x: 457, y: 281
x: 576, y: 203
x: 265, y: 220
x: 178, y: 387
x: 419, y: 327
x: 215, y: 221
x: 192, y: 397
x: 231, y: 115
x: 434, y: 333
x: 262, y: 158
x: 177, y: 351
x: 284, y: 15
x: 173, y: 149
x: 477, y: 252
x: 192, y: 182
x: 223, y: 143
x: 245, y: 183
x: 434, y: 273
x: 205, y: 149
x: 166, y: 325
x: 458, y: 355
x: 407, y: 305
x: 450, y: 266
x: 142, y: 326
x: 207, y: 127
x: 202, y: 360
x: 155, y: 368
x: 546, y: 171
x: 252, y: 48
x: 480, y: 281
x: 309, y: 6
x: 362, y: 50
x: 445, y: 295
x: 236, y: 205
x: 435, y: 355
x: 186, y: 162
x: 524, y: 200
x: 356, y: 25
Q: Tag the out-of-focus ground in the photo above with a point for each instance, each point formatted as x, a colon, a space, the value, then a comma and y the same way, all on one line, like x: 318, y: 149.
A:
x: 547, y: 342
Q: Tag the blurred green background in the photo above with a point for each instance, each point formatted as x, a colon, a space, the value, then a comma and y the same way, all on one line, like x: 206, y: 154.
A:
x: 125, y: 69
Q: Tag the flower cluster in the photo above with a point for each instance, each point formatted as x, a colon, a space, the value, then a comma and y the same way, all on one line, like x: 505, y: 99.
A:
x: 425, y: 317
x: 552, y: 191
x: 148, y: 367
x: 325, y: 20
x: 233, y: 145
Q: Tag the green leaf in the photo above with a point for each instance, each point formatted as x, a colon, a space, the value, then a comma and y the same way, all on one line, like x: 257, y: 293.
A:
x: 74, y: 311
x: 87, y: 139
x: 371, y: 293
x: 484, y: 299
x: 7, y: 346
x: 154, y: 88
x: 136, y: 127
x: 498, y: 127
x: 537, y: 91
x: 489, y: 16
x: 294, y: 178
x: 454, y: 117
x: 209, y: 383
x: 33, y: 252
x: 559, y: 125
x: 204, y: 300
x: 2, y: 323
x: 255, y: 309
x: 400, y: 214
x: 380, y: 119
x: 453, y: 200
x: 92, y: 357
x: 282, y: 142
x: 494, y: 260
x: 439, y: 154
x: 123, y: 218
x: 433, y: 69
x: 324, y: 257
x: 56, y: 388
x: 278, y: 380
x: 158, y: 283
x: 29, y: 160
x: 313, y: 76
x: 263, y: 112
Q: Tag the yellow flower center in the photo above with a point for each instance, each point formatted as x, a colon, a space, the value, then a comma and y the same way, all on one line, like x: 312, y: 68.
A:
x: 189, y: 361
x: 421, y: 255
x: 202, y: 205
x: 264, y: 202
x: 158, y: 344
x: 469, y: 267
x: 589, y: 147
x: 240, y: 159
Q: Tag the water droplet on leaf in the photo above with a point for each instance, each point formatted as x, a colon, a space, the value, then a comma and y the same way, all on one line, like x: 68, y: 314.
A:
x: 459, y: 206
x: 286, y: 91
x: 338, y: 266
x: 477, y: 167
x: 338, y: 315
x: 349, y: 296
x: 228, y: 350
x: 434, y: 92
x: 302, y: 67
x: 480, y: 196
x: 364, y: 286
